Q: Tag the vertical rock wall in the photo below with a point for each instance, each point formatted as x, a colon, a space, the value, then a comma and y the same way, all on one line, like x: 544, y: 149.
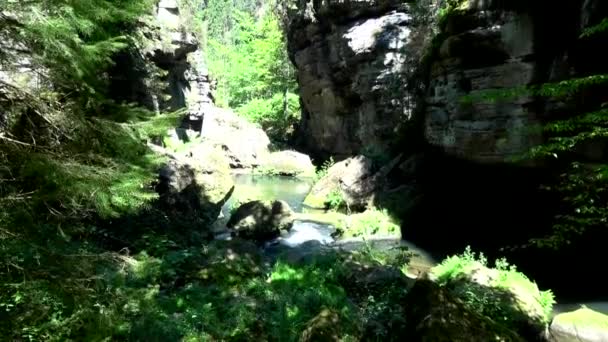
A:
x: 494, y: 46
x: 355, y: 62
x: 467, y: 193
x: 350, y: 62
x: 157, y: 72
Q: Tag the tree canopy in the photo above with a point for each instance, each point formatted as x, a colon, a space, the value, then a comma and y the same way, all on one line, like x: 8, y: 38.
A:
x: 246, y: 53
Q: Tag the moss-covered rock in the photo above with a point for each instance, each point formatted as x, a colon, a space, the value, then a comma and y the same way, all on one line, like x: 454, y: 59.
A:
x: 583, y: 325
x: 501, y: 293
x: 345, y: 174
x: 332, y: 218
x: 261, y: 220
x: 214, y: 173
x: 435, y: 315
x: 369, y: 223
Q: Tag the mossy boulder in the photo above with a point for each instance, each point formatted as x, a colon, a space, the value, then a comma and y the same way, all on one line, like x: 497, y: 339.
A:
x: 196, y: 183
x: 582, y: 325
x: 346, y: 173
x: 502, y: 293
x: 434, y: 314
x: 288, y: 163
x: 261, y: 220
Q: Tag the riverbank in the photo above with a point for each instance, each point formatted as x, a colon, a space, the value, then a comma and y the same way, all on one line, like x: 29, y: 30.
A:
x: 313, y: 225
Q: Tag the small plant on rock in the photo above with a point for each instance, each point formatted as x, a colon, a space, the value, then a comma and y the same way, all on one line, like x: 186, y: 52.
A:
x: 501, y: 293
x: 335, y: 200
x: 324, y: 169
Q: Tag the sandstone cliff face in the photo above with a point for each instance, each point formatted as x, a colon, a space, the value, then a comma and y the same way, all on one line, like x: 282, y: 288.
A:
x: 157, y: 72
x: 355, y: 66
x: 493, y: 46
x: 350, y: 61
x: 467, y: 193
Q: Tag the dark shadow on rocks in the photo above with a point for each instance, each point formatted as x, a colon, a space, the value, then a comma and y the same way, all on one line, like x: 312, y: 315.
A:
x: 181, y: 216
x: 434, y: 314
x: 446, y: 204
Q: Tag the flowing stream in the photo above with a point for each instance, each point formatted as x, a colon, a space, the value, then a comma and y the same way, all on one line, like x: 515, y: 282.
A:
x: 309, y: 237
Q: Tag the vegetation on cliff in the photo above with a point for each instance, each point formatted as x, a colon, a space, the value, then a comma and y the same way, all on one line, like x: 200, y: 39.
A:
x: 85, y: 253
x: 573, y: 147
x: 246, y: 54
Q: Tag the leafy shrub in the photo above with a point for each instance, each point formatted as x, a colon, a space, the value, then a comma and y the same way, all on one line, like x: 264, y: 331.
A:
x: 227, y: 297
x: 276, y: 115
x: 324, y: 169
x: 335, y: 200
x: 176, y: 145
x: 250, y: 62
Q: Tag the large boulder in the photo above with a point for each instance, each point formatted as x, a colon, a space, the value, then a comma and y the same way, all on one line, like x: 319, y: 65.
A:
x: 355, y: 179
x: 435, y: 315
x: 289, y: 163
x: 245, y: 145
x: 261, y: 221
x: 195, y: 184
x: 350, y: 59
x: 325, y: 327
x: 503, y: 294
x: 338, y: 176
x: 584, y: 325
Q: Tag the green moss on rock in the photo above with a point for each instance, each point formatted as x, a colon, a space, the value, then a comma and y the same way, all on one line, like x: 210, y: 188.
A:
x: 584, y: 317
x: 501, y: 293
x: 317, y: 200
x: 288, y: 163
x: 434, y: 314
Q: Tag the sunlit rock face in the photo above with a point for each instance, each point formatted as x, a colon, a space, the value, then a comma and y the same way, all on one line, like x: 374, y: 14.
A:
x: 350, y: 59
x: 356, y: 63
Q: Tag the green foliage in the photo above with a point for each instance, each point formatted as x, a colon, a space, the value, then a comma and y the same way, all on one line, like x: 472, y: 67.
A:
x: 227, y: 296
x: 179, y: 146
x: 73, y: 40
x: 335, y: 200
x: 496, y: 298
x: 369, y: 223
x: 561, y: 89
x: 70, y: 158
x: 600, y: 28
x: 448, y: 7
x: 248, y: 57
x: 276, y: 115
x: 323, y: 170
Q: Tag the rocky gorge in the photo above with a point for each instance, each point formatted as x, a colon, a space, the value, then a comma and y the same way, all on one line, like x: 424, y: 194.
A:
x: 143, y: 207
x: 376, y: 79
x: 380, y: 87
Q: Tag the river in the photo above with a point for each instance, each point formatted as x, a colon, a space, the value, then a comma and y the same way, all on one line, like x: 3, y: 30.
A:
x: 310, y: 234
